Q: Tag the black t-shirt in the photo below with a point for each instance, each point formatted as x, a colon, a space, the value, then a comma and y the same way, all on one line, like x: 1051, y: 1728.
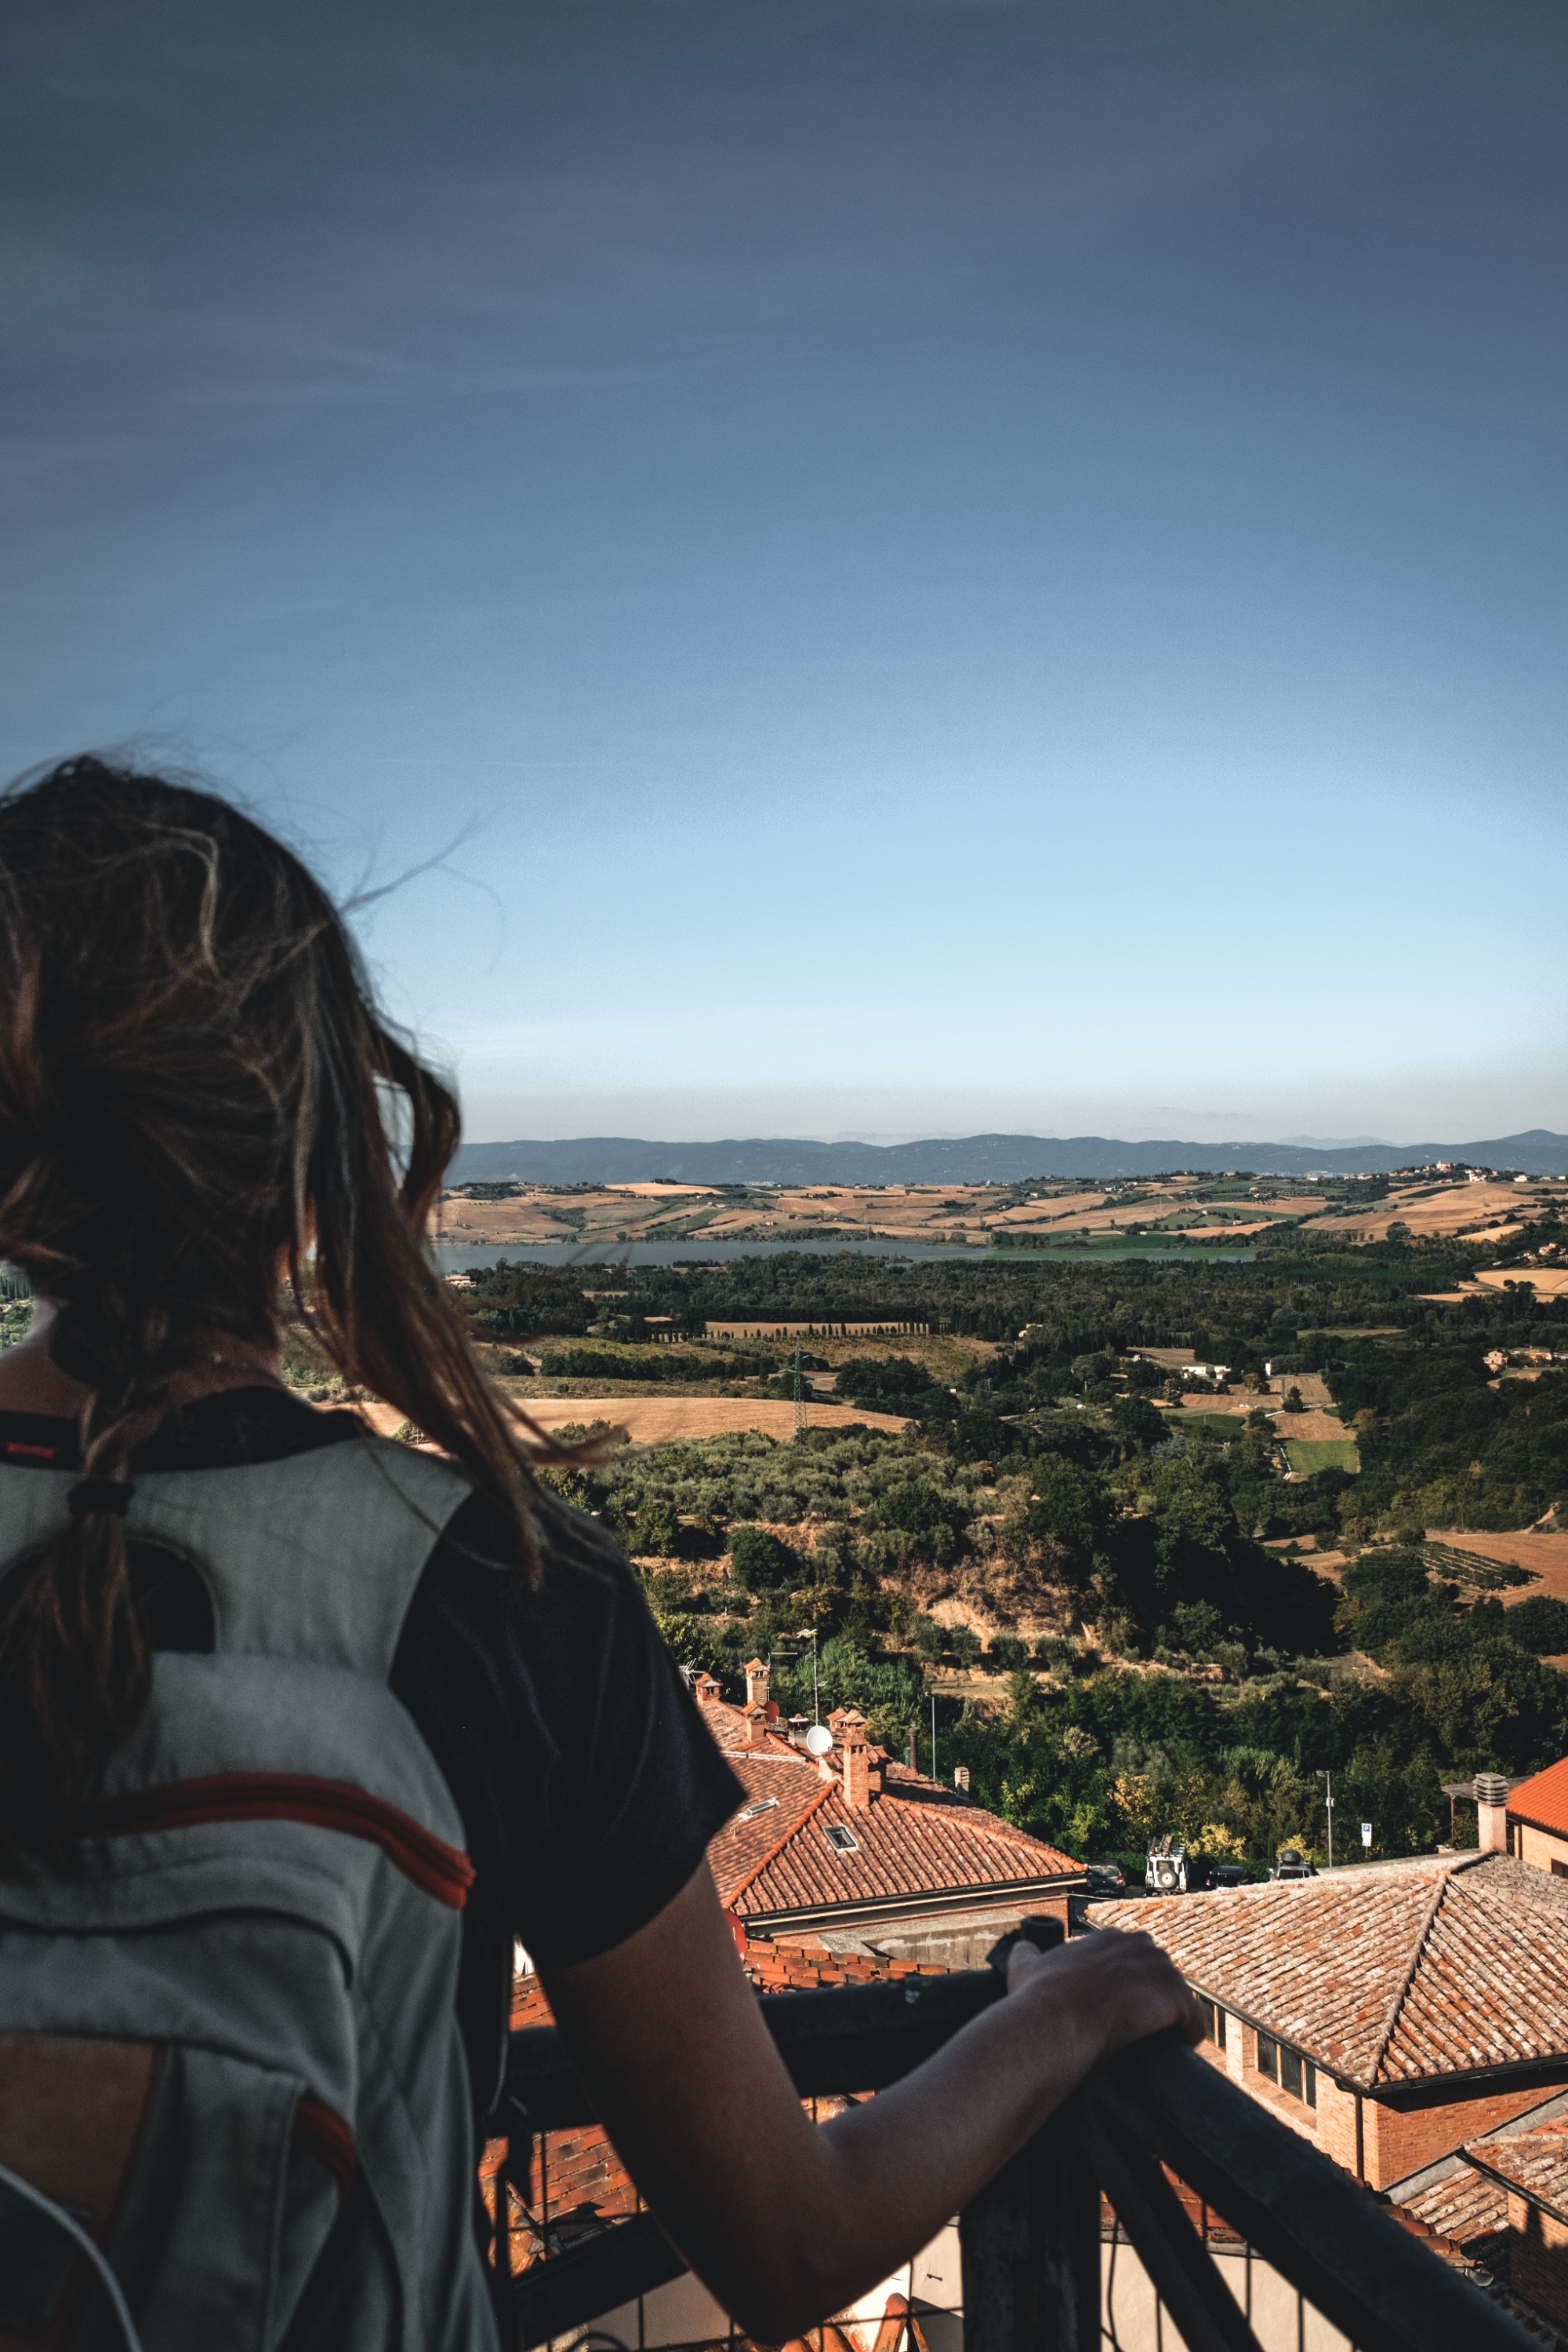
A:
x: 587, y: 1782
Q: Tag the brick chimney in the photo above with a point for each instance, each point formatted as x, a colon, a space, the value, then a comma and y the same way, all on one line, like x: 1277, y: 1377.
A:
x: 857, y: 1761
x: 707, y: 1690
x: 757, y: 1725
x: 756, y: 1683
x: 799, y: 1725
x: 1491, y: 1813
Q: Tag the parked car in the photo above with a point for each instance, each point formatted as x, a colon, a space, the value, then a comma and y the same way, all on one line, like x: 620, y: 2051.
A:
x: 1166, y: 1870
x: 1230, y: 1874
x: 1105, y: 1878
x: 1291, y: 1865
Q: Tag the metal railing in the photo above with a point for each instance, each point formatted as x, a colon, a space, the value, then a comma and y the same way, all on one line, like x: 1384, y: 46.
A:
x: 1031, y: 2240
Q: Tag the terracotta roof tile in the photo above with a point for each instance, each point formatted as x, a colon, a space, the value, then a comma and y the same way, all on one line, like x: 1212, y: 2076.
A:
x: 1543, y: 1801
x: 1383, y: 1974
x: 1464, y: 2207
x: 915, y: 1838
x: 1535, y: 2161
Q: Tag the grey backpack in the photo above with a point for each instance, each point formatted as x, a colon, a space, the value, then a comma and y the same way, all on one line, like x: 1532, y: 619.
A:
x: 228, y: 2046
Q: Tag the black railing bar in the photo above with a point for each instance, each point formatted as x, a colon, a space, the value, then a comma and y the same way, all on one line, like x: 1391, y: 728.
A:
x: 1178, y: 2263
x: 1388, y: 2293
x: 1030, y: 2246
x: 1318, y: 2229
x: 630, y: 2258
x: 842, y: 2037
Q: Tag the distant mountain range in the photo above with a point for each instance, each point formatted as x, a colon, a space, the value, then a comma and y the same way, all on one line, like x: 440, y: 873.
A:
x: 968, y: 1160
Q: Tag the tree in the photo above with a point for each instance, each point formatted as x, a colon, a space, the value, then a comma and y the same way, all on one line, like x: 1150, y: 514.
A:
x: 760, y: 1562
x: 652, y: 1531
x: 1069, y: 1506
x: 1136, y: 1424
x: 964, y: 1643
x: 1539, y: 1625
x: 929, y: 1638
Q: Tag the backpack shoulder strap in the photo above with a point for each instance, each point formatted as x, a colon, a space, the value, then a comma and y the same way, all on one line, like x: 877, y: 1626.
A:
x: 314, y: 1557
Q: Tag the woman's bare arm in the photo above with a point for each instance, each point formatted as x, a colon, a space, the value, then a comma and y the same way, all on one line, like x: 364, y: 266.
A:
x: 787, y: 2222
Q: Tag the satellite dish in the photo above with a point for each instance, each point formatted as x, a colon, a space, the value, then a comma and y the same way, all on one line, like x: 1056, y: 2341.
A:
x: 819, y: 1740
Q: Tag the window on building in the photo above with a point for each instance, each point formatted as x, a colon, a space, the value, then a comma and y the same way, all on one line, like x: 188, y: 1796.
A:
x: 841, y: 1840
x: 1213, y: 2020
x: 1287, y: 2067
x: 1559, y: 1869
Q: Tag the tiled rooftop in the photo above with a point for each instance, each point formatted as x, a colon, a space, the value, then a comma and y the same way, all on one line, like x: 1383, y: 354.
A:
x: 774, y: 1857
x: 1543, y: 1801
x: 914, y: 1838
x: 1383, y: 1974
x: 1535, y: 2161
x: 1462, y: 2206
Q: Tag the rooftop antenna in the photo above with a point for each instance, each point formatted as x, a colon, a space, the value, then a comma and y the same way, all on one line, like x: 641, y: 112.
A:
x: 808, y: 1634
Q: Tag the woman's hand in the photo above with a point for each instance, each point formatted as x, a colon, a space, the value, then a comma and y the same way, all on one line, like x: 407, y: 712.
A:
x: 1113, y: 1990
x: 786, y: 2220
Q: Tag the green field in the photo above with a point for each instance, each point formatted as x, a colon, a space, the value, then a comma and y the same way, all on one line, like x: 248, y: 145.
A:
x: 1309, y: 1453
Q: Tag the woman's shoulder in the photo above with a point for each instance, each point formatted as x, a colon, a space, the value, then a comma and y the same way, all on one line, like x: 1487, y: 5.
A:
x: 582, y: 1570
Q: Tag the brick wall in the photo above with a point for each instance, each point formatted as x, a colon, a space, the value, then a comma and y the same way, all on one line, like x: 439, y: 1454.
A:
x: 1538, y: 2259
x: 1400, y: 2142
x: 1395, y: 2141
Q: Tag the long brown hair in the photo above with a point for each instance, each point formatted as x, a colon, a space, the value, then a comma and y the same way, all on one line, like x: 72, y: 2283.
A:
x: 192, y: 1079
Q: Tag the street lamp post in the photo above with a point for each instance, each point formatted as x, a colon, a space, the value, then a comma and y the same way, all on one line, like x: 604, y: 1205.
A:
x: 1327, y: 1777
x: 808, y: 1634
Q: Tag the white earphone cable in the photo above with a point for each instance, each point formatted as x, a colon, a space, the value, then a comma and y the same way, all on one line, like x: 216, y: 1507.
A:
x: 63, y: 2220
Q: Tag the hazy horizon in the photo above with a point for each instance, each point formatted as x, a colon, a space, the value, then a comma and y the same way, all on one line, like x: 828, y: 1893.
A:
x: 946, y: 566
x: 1197, y: 1129
x: 684, y: 1116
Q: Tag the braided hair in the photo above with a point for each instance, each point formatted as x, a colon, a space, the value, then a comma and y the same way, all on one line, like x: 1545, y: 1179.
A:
x: 192, y: 1084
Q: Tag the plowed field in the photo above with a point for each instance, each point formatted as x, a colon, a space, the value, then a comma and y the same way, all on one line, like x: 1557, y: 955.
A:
x: 654, y: 1421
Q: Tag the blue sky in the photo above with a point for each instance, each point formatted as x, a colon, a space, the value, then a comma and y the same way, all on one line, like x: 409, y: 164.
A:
x: 930, y: 566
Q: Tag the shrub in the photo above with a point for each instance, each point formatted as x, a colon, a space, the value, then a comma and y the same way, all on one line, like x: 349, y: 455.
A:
x: 964, y: 1643
x: 1008, y: 1652
x: 1052, y: 1650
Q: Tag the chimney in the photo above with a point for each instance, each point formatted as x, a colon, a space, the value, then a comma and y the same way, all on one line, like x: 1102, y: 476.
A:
x: 756, y: 1683
x: 960, y: 1778
x: 756, y: 1727
x: 707, y: 1690
x: 799, y: 1725
x: 857, y: 1761
x: 1491, y: 1813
